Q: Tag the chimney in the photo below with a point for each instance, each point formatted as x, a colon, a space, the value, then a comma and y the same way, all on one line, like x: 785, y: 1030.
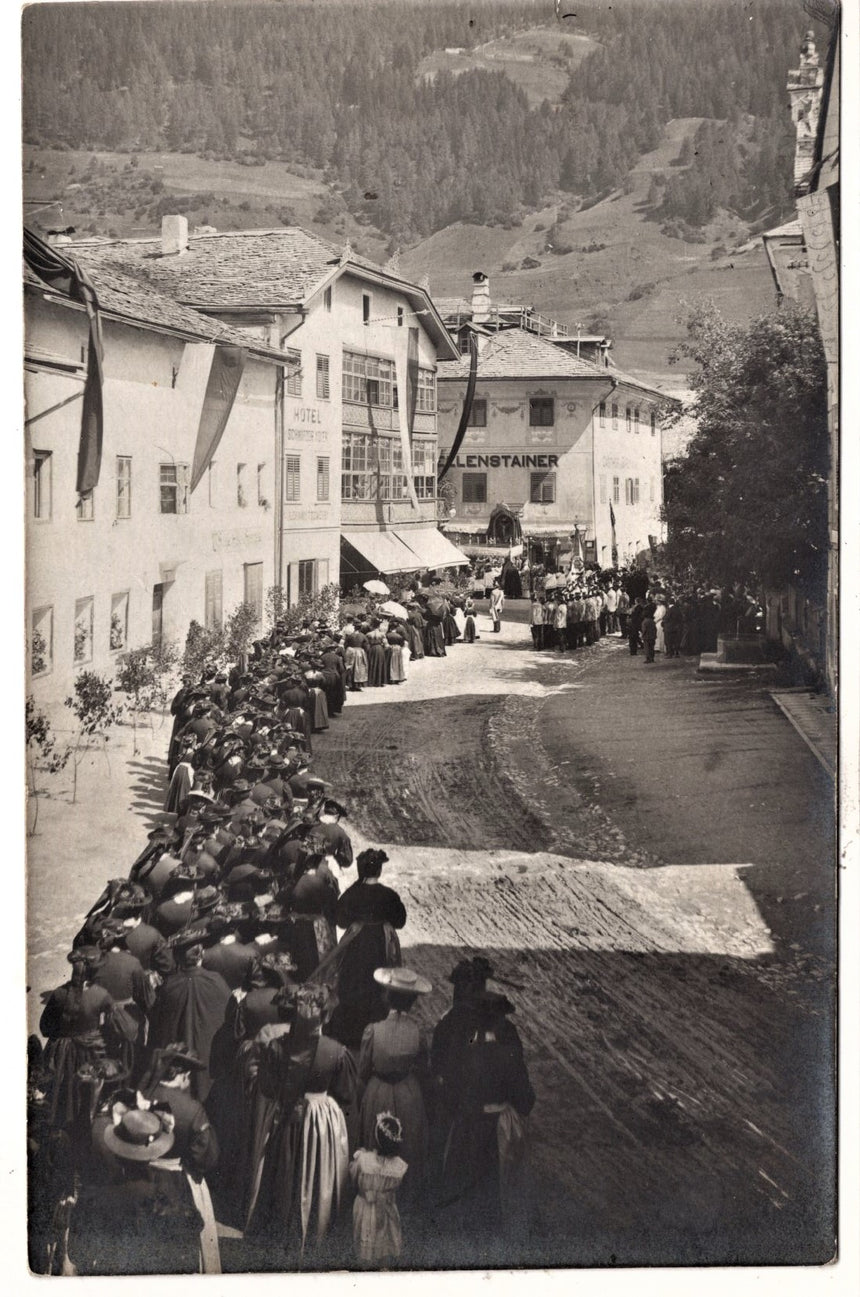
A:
x: 480, y: 298
x: 805, y: 86
x: 174, y: 235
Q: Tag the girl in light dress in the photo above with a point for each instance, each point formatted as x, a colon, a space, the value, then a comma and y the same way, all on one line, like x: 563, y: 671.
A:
x: 377, y: 1174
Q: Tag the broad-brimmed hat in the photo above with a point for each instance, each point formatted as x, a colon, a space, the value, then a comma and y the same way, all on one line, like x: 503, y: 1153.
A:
x: 332, y: 807
x: 403, y: 979
x: 188, y: 937
x: 206, y: 898
x: 137, y: 1134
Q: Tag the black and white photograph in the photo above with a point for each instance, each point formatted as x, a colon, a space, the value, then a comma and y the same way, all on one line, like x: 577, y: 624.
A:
x: 431, y: 430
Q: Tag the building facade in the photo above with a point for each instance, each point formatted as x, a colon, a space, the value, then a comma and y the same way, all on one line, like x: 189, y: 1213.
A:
x: 561, y: 454
x: 356, y: 444
x: 136, y: 559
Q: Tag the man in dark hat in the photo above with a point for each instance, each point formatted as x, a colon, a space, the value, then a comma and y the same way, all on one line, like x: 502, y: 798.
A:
x: 190, y: 1005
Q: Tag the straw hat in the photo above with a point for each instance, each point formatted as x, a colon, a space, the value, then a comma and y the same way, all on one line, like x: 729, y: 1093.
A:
x: 402, y: 979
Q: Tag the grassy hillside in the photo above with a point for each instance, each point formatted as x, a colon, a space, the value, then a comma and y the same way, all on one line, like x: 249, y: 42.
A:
x: 539, y: 60
x: 608, y: 265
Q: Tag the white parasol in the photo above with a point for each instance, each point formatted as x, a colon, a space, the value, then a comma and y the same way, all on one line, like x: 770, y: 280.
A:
x: 393, y: 609
x: 376, y: 587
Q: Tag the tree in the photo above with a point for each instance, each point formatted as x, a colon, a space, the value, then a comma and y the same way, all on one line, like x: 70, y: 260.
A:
x: 203, y: 648
x: 42, y: 754
x: 242, y: 625
x: 145, y: 675
x: 748, y: 500
x: 93, y: 706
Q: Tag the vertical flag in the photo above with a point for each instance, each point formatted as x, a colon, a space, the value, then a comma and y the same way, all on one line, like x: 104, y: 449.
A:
x: 67, y: 276
x: 614, y: 539
x: 228, y: 364
x: 467, y: 405
x: 407, y: 392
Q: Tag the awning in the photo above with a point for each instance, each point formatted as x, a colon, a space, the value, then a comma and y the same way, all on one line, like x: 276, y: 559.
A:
x: 383, y: 551
x: 432, y: 548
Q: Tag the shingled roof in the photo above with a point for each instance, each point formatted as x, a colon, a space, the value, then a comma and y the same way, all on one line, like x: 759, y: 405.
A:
x: 516, y: 353
x: 124, y: 297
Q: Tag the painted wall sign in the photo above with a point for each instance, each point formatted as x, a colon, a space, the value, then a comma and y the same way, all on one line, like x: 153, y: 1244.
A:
x: 506, y: 461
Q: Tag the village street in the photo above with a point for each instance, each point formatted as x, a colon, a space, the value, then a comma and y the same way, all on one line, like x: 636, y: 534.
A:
x: 644, y: 855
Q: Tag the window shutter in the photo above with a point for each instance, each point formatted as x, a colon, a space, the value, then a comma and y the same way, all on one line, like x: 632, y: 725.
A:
x: 322, y: 573
x: 292, y: 585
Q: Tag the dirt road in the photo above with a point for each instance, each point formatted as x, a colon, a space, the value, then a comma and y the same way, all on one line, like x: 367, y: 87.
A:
x: 677, y: 1043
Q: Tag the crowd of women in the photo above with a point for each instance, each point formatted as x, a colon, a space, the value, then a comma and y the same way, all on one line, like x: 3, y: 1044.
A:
x: 237, y: 1041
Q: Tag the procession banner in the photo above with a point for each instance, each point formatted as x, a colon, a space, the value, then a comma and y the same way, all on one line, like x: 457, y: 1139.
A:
x: 228, y: 364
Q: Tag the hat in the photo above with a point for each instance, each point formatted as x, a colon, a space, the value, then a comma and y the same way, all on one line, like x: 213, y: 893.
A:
x: 206, y: 897
x: 188, y: 937
x: 178, y: 1055
x: 111, y: 930
x: 215, y: 814
x: 277, y: 915
x: 471, y: 971
x: 331, y: 807
x: 137, y: 1135
x: 279, y: 965
x: 85, y: 955
x: 161, y: 834
x: 402, y: 979
x: 130, y: 897
x: 200, y: 794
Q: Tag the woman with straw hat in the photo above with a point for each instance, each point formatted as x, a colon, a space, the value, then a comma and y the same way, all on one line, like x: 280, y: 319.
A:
x: 393, y: 1057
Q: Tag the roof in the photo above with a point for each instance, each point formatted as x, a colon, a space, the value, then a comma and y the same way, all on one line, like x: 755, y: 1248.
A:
x: 126, y: 298
x: 251, y: 269
x: 516, y: 353
x: 791, y: 229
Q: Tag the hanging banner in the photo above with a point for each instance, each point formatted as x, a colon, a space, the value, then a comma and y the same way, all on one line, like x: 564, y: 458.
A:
x: 467, y: 405
x: 407, y: 393
x: 228, y: 364
x: 64, y: 274
x: 614, y: 540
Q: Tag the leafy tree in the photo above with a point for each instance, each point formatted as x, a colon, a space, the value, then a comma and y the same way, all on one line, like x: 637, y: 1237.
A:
x: 93, y: 706
x: 748, y: 500
x: 203, y: 648
x: 42, y: 754
x: 242, y: 625
x: 145, y: 675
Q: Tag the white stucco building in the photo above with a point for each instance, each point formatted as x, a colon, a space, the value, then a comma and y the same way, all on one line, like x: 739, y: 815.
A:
x: 143, y: 554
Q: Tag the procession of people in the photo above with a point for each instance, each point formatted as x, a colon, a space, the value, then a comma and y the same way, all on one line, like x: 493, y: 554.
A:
x: 237, y: 1044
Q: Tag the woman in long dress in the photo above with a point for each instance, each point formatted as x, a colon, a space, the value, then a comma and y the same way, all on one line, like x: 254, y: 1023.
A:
x: 355, y: 660
x: 370, y: 913
x: 392, y: 1060
x: 660, y: 613
x: 73, y: 1022
x: 397, y: 657
x: 376, y: 657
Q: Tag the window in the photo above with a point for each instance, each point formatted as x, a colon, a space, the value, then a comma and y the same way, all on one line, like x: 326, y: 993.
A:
x: 636, y: 418
x: 355, y: 463
x: 210, y: 483
x: 242, y: 485
x: 542, y: 488
x: 603, y: 488
x: 465, y: 346
x: 631, y: 490
x: 294, y: 372
x: 365, y: 307
x: 602, y: 414
x: 323, y: 476
x: 629, y: 414
x: 85, y: 509
x: 614, y: 415
x: 541, y: 412
x: 322, y: 378
x: 478, y: 413
x: 474, y: 488
x: 292, y: 477
x: 173, y: 480
x: 367, y: 379
x: 253, y: 591
x: 653, y: 424
x: 327, y: 299
x: 400, y: 317
x: 424, y: 469
x: 41, y: 484
x: 261, y: 490
x: 119, y: 622
x: 213, y: 612
x: 426, y: 402
x: 42, y: 641
x: 83, y: 631
x: 123, y: 486
x: 307, y: 573
x: 616, y: 490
